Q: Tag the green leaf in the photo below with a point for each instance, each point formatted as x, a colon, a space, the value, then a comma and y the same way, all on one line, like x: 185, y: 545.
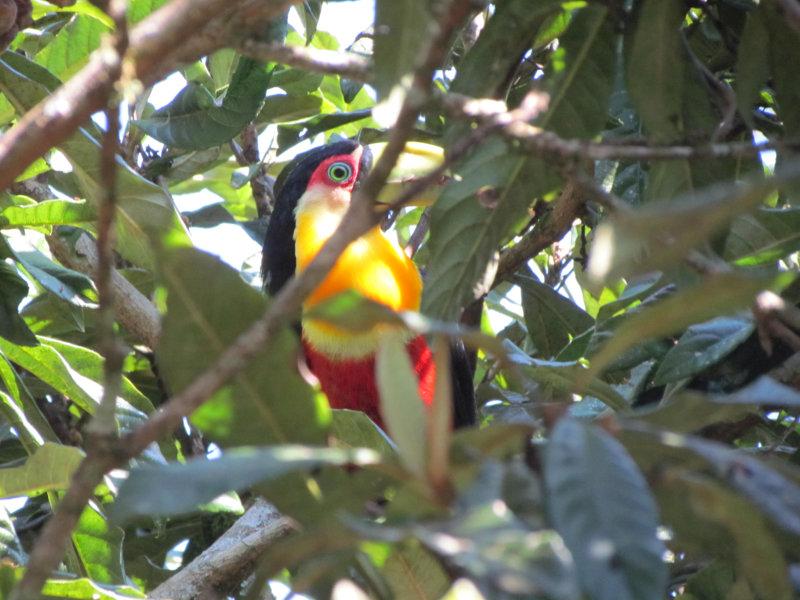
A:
x: 763, y: 237
x: 99, y: 546
x: 268, y: 401
x: 354, y: 429
x: 72, y: 286
x: 194, y: 121
x: 50, y: 468
x: 702, y: 346
x: 151, y: 490
x: 401, y: 406
x: 47, y: 213
x: 465, y: 233
x: 691, y: 411
x: 69, y: 51
x: 662, y: 234
x: 561, y: 377
x: 601, y: 505
x: 756, y: 549
x: 580, y: 75
x: 13, y: 290
x: 752, y: 64
x: 552, y: 319
x: 81, y: 7
x: 86, y: 589
x: 89, y: 364
x: 289, y: 135
x: 397, y: 38
x: 282, y: 108
x: 716, y: 295
x: 656, y: 63
x: 73, y: 371
x: 139, y: 9
x: 414, y: 574
x: 506, y: 36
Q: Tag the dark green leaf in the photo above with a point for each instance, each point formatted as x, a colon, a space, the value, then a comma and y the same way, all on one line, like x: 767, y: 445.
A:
x: 602, y: 507
x: 194, y: 121
x: 560, y: 377
x: 656, y: 63
x: 151, y: 490
x: 661, y: 234
x: 702, y: 346
x: 552, y: 319
x: 413, y: 573
x: 397, y: 39
x: 72, y: 286
x: 268, y: 401
x: 765, y: 236
x: 717, y: 295
x: 752, y: 64
x: 12, y: 291
x: 581, y: 74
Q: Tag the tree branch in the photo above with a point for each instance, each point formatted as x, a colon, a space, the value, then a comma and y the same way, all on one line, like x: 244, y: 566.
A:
x: 104, y: 421
x: 329, y: 62
x: 207, y: 25
x: 552, y: 227
x: 231, y: 555
x: 136, y: 313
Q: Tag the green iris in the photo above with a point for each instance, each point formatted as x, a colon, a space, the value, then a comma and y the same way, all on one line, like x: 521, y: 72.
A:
x: 339, y: 172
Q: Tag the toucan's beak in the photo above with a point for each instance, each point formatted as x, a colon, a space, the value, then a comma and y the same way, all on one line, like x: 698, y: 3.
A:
x: 417, y: 159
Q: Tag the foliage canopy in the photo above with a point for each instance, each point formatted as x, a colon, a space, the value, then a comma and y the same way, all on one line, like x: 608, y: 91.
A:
x: 624, y: 267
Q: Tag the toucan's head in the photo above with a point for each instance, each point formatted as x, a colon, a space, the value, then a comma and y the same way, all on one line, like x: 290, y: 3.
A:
x: 324, y: 176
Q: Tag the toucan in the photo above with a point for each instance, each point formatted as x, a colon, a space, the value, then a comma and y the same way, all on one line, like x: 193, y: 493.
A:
x: 312, y: 194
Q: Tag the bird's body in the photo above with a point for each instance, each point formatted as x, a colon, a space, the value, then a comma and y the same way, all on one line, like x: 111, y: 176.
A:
x: 312, y: 196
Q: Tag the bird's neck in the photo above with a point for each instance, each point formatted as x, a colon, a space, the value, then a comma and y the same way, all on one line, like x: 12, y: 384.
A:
x: 373, y: 265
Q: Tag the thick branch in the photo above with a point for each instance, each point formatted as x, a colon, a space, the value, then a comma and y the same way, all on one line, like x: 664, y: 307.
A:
x: 205, y: 25
x: 231, y: 555
x: 136, y: 313
x: 553, y: 226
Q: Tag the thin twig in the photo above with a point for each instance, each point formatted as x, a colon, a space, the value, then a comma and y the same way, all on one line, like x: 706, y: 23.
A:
x: 351, y: 66
x: 420, y: 231
x: 248, y: 156
x: 104, y: 422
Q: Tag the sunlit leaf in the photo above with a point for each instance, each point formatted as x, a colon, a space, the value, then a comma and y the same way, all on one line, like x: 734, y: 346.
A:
x: 50, y: 468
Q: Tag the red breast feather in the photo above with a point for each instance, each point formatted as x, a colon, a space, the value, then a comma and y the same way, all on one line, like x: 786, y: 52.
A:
x: 350, y: 383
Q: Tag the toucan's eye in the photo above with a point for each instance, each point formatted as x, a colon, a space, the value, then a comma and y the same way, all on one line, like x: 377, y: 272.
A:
x: 339, y: 172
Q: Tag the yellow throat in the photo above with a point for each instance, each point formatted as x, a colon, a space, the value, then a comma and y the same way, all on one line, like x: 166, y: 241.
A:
x: 373, y: 265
